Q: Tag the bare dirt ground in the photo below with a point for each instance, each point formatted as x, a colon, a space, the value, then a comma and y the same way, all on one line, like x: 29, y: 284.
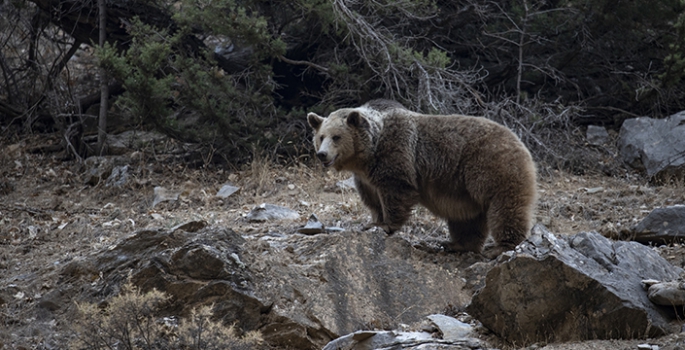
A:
x: 49, y: 216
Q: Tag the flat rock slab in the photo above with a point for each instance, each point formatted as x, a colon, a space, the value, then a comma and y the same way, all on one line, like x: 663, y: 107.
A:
x: 271, y: 212
x: 573, y: 288
x: 227, y: 190
x: 662, y: 225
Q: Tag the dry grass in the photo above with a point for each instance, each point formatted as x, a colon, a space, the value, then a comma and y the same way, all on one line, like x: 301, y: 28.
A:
x: 130, y: 321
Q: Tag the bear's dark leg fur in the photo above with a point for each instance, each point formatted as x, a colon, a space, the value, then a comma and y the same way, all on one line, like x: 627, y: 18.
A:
x: 397, y: 207
x: 370, y: 198
x: 467, y: 235
x: 509, y: 224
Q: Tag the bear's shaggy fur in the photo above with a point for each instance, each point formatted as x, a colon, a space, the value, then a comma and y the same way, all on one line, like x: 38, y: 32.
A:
x: 470, y: 171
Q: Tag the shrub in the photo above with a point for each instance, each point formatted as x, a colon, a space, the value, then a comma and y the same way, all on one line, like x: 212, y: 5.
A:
x: 130, y: 321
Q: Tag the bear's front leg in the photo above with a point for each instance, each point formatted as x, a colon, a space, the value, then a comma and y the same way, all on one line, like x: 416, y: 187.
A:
x: 397, y: 204
x: 371, y: 200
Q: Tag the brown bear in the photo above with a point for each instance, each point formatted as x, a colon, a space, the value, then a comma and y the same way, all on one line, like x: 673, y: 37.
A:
x: 474, y: 173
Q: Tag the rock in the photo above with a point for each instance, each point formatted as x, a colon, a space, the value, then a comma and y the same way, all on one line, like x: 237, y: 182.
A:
x: 298, y: 291
x: 270, y: 212
x: 346, y: 185
x: 117, y: 177
x: 390, y: 340
x: 164, y: 195
x: 450, y: 327
x: 573, y: 288
x: 597, y: 135
x: 667, y: 293
x: 594, y: 190
x: 313, y: 226
x: 662, y: 225
x: 190, y: 226
x: 654, y: 145
x: 99, y: 169
x: 226, y: 190
x: 647, y: 347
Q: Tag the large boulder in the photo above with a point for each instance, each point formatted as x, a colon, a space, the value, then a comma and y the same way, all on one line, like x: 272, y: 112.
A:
x: 298, y: 291
x: 656, y: 146
x: 577, y: 287
x: 662, y: 225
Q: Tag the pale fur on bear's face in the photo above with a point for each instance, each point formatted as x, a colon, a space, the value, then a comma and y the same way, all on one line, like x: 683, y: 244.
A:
x: 340, y: 138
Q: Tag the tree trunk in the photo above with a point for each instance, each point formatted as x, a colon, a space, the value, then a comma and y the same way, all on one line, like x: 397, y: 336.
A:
x: 104, y: 89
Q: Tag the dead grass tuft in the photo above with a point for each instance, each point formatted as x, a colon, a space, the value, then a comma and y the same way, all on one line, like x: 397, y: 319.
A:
x: 129, y: 321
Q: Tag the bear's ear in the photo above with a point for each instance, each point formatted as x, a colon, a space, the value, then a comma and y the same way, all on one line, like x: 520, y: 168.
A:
x: 314, y: 120
x: 356, y: 120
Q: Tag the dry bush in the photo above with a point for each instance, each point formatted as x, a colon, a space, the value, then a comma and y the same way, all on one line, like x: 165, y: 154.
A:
x: 130, y: 321
x: 555, y: 142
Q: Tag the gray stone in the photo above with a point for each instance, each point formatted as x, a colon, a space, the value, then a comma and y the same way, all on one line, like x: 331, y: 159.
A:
x: 271, y: 212
x: 597, y: 135
x: 391, y: 340
x: 654, y: 145
x: 99, y: 169
x: 662, y: 225
x: 594, y: 190
x: 346, y: 185
x: 226, y: 190
x: 450, y: 327
x: 118, y: 177
x: 573, y: 288
x: 164, y: 195
x: 190, y: 226
x: 313, y: 226
x: 667, y: 293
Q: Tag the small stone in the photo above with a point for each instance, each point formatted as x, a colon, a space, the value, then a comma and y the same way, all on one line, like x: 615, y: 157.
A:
x: 597, y: 135
x: 594, y: 190
x: 226, y: 190
x: 291, y: 186
x: 118, y: 177
x: 270, y: 212
x: 190, y: 226
x: 648, y: 283
x: 647, y: 347
x: 313, y: 226
x: 347, y: 184
x: 667, y: 293
x: 164, y: 195
x: 451, y: 328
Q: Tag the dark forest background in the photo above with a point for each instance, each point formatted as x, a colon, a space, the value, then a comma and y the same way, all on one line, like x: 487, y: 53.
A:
x: 239, y: 76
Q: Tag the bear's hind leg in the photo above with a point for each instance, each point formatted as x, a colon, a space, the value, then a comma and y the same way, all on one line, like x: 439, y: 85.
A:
x: 467, y: 235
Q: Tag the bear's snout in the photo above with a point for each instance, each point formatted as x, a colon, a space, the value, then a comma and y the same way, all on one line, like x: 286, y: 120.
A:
x: 323, y: 156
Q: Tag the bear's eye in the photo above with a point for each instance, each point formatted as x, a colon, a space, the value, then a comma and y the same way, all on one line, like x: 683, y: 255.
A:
x: 336, y: 138
x: 321, y: 139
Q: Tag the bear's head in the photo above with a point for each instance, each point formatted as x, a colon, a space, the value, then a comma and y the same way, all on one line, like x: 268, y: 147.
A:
x: 341, y: 139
